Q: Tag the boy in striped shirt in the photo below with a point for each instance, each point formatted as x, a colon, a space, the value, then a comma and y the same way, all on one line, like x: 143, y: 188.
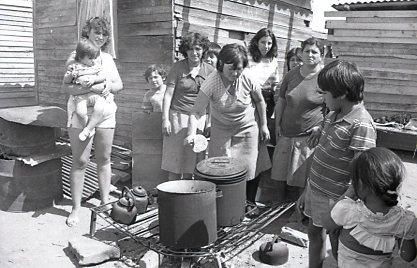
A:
x: 347, y: 130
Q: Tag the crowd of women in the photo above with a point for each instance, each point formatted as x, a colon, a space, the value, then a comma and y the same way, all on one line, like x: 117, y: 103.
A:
x: 240, y: 98
x: 229, y: 94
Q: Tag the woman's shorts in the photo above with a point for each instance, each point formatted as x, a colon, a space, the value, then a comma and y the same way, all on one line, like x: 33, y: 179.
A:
x: 317, y: 205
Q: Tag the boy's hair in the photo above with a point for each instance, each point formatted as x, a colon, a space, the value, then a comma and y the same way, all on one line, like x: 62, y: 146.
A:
x: 100, y: 25
x: 160, y: 69
x: 340, y: 78
x: 213, y: 49
x: 232, y: 54
x: 193, y: 39
x: 295, y: 51
x: 86, y: 48
x: 253, y: 45
x: 312, y: 41
x: 381, y: 171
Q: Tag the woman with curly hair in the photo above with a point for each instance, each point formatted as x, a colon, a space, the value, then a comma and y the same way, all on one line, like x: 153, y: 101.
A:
x: 183, y: 83
x: 95, y: 30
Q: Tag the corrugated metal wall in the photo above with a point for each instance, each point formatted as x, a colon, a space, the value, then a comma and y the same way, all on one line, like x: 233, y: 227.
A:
x: 17, y: 73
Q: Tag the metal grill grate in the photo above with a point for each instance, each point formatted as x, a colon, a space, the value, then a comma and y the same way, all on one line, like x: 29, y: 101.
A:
x: 229, y: 239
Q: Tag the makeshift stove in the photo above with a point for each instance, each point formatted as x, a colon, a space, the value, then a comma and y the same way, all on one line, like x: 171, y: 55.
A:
x: 229, y: 239
x: 30, y: 157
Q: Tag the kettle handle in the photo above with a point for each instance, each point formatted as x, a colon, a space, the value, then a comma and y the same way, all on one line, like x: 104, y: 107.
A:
x: 269, y: 245
x: 129, y: 196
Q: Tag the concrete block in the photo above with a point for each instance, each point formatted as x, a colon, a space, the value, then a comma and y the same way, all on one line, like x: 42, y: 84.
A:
x: 294, y: 236
x: 150, y: 260
x: 90, y: 251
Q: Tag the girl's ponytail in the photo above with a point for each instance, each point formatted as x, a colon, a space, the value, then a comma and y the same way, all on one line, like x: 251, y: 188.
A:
x: 390, y: 198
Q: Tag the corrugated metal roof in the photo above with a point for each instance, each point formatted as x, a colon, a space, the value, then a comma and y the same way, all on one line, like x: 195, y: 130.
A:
x: 377, y: 5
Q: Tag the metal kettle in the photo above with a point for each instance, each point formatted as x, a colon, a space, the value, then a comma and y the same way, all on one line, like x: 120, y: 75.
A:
x: 274, y: 252
x: 141, y: 199
x: 124, y: 210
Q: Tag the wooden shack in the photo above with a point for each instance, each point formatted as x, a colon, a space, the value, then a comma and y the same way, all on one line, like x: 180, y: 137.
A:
x: 148, y: 32
x: 380, y: 37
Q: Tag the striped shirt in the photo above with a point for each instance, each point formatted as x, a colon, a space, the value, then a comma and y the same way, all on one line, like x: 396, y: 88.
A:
x: 330, y: 169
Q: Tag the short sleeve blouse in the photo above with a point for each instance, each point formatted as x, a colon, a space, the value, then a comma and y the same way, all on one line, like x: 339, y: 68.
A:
x: 186, y: 87
x: 375, y: 230
x: 229, y: 110
x: 303, y: 103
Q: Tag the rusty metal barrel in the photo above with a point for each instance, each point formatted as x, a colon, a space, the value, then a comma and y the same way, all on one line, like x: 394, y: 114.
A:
x: 28, y: 188
x: 23, y: 140
x: 30, y: 160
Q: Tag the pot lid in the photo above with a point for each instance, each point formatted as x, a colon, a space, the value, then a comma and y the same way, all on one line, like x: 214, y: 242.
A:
x: 200, y: 143
x: 221, y: 166
x: 221, y: 180
x: 139, y: 191
x: 236, y: 176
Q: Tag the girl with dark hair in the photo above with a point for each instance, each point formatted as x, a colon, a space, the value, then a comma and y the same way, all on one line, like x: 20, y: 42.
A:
x: 263, y: 67
x: 373, y: 223
x: 263, y: 45
x: 182, y: 86
x: 95, y: 30
x: 235, y: 103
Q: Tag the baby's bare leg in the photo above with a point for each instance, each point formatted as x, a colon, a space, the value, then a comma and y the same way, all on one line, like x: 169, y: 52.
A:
x: 81, y: 110
x: 98, y: 113
x: 98, y: 103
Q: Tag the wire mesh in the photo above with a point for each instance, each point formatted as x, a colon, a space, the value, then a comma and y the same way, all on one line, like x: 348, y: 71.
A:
x: 229, y: 239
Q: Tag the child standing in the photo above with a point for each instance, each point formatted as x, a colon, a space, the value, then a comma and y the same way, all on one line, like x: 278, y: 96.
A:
x: 85, y: 72
x: 347, y: 130
x: 373, y: 223
x: 155, y: 75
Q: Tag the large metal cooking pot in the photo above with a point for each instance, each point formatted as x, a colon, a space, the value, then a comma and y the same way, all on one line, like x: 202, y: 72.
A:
x: 229, y: 175
x: 187, y: 213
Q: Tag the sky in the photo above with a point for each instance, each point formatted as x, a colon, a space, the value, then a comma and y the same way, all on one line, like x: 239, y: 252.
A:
x: 318, y: 7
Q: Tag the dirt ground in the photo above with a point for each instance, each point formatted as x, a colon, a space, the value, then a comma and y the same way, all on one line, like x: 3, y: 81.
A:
x: 40, y: 238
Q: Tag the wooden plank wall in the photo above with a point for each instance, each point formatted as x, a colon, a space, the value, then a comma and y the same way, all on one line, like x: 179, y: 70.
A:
x: 384, y: 45
x: 147, y: 34
x: 144, y: 37
x: 55, y: 37
x: 237, y: 21
x: 17, y: 69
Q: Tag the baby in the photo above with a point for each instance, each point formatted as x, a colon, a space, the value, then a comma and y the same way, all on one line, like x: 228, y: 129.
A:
x: 85, y: 72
